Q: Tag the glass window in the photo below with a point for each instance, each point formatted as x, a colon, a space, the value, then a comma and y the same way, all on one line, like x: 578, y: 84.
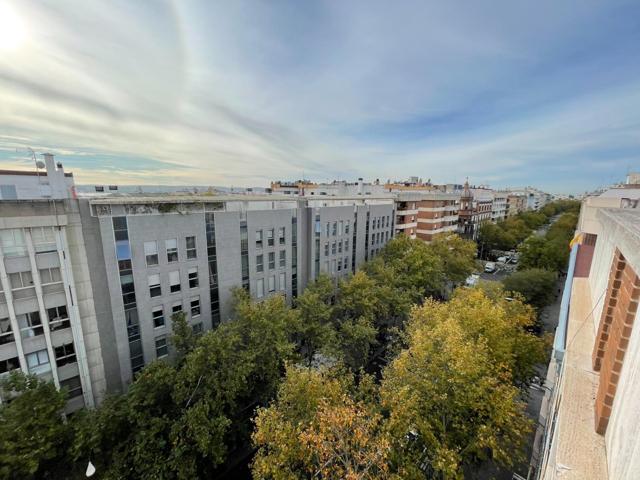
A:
x: 272, y: 260
x: 334, y: 230
x: 123, y: 251
x: 13, y: 243
x: 43, y: 239
x: 346, y: 245
x: 259, y: 263
x: 346, y: 226
x: 326, y: 249
x: 197, y: 328
x: 58, y: 317
x: 283, y: 258
x: 73, y: 386
x: 9, y: 364
x: 191, y: 247
x: 21, y: 280
x: 176, y: 308
x: 154, y: 285
x: 340, y: 227
x: 174, y: 281
x: 272, y: 283
x: 30, y: 324
x: 65, y: 354
x: 339, y: 265
x: 157, y: 313
x: 193, y: 277
x: 172, y: 250
x: 333, y: 248
x: 50, y: 275
x: 260, y: 288
x: 270, y: 237
x: 195, y: 307
x: 38, y: 362
x: 281, y: 236
x: 151, y: 253
x: 282, y: 283
x: 340, y: 246
x: 327, y: 228
x: 258, y: 238
x: 345, y: 262
x: 162, y: 347
x: 6, y: 334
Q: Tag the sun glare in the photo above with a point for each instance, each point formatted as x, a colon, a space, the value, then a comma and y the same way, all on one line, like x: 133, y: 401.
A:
x: 13, y: 32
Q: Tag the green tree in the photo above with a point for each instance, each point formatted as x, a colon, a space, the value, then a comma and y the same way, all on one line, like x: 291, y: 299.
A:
x: 183, y: 339
x: 536, y: 285
x: 458, y: 256
x: 451, y: 403
x: 315, y: 331
x: 538, y: 252
x: 33, y: 434
x: 320, y: 427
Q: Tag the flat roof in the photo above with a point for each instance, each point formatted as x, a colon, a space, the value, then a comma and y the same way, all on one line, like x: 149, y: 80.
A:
x: 30, y: 173
x: 125, y: 199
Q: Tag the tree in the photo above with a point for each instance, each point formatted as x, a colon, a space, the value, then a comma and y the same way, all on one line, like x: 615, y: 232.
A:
x: 495, y: 237
x: 183, y: 339
x: 449, y: 403
x: 315, y: 331
x: 33, y: 434
x: 536, y: 285
x: 457, y: 254
x: 538, y: 252
x: 318, y: 427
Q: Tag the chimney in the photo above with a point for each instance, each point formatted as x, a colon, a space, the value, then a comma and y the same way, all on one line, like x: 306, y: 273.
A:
x: 49, y: 164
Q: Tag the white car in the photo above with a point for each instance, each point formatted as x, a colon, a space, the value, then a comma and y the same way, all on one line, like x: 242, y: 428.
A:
x: 489, y: 267
x: 472, y: 280
x: 503, y: 259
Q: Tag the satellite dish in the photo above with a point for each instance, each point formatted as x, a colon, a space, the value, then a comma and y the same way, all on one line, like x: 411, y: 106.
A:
x: 39, y: 164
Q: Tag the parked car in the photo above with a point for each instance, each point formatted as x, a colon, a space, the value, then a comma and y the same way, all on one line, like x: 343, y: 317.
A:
x: 503, y: 259
x: 472, y: 280
x: 490, y: 267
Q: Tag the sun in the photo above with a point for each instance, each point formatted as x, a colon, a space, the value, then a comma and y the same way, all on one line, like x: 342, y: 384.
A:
x: 13, y: 32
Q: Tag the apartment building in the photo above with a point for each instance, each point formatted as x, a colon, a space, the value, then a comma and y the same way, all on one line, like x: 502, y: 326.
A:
x: 425, y: 214
x: 590, y: 427
x: 48, y: 323
x: 499, y: 206
x: 476, y: 206
x: 516, y: 203
x: 160, y: 255
x: 337, y: 188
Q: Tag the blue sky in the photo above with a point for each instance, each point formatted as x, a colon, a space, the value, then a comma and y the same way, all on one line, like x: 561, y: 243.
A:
x: 238, y: 93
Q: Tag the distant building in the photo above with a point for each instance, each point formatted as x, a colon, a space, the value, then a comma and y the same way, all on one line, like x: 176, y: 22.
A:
x: 423, y: 215
x: 337, y: 188
x: 476, y: 206
x: 47, y: 180
x: 516, y: 203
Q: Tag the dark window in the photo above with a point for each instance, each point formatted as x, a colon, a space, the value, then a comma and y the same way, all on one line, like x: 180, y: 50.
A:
x: 65, y: 354
x: 73, y: 386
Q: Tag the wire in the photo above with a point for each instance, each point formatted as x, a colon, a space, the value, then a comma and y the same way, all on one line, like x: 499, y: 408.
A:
x: 584, y: 322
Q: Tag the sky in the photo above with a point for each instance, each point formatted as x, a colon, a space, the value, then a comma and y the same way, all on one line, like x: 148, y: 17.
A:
x: 542, y: 93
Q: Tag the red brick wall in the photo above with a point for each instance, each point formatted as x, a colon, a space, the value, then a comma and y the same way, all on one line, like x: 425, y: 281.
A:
x: 614, y: 331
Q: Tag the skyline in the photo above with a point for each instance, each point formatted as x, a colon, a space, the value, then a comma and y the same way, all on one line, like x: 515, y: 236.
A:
x: 187, y: 93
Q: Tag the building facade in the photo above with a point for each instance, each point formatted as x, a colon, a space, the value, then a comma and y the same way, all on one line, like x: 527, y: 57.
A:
x: 476, y: 206
x: 160, y: 255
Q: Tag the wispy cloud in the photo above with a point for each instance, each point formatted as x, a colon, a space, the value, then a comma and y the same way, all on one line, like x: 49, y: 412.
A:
x: 242, y: 92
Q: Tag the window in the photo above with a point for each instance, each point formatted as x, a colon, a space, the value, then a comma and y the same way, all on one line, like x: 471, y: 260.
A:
x: 270, y: 237
x: 30, y: 324
x: 326, y: 249
x: 195, y: 307
x: 340, y: 246
x: 65, y: 354
x: 346, y: 226
x: 44, y: 239
x: 176, y: 308
x: 193, y: 277
x: 272, y: 283
x: 58, y: 317
x: 162, y: 347
x: 260, y: 288
x: 191, y: 248
x: 346, y: 245
x: 333, y: 248
x: 9, y: 364
x: 157, y: 313
x: 334, y: 230
x: 13, y: 243
x: 38, y: 362
x: 197, y: 328
x: 281, y: 239
x: 339, y: 265
x: 340, y: 227
x: 345, y: 262
x: 154, y: 285
x: 282, y: 283
x: 151, y: 253
x: 50, y: 275
x: 6, y: 334
x: 172, y: 249
x: 272, y: 260
x: 21, y: 280
x: 259, y: 263
x: 174, y: 281
x: 73, y: 386
x: 328, y: 226
x: 283, y: 258
x: 258, y: 238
